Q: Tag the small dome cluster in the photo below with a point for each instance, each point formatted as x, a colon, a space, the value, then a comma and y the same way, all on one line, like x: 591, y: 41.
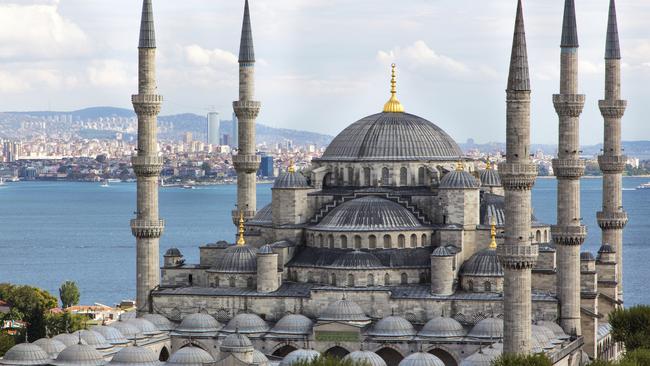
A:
x: 459, y: 179
x: 490, y: 328
x: 421, y: 359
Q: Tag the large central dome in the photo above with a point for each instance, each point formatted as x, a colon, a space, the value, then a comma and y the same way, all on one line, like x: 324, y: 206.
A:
x: 392, y: 136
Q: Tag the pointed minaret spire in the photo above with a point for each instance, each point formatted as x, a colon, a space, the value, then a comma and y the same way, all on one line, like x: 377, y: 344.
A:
x: 147, y: 29
x: 518, y: 79
x: 246, y: 50
x: 612, y: 48
x: 569, y: 27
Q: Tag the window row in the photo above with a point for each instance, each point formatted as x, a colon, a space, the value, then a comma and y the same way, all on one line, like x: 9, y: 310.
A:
x: 368, y: 241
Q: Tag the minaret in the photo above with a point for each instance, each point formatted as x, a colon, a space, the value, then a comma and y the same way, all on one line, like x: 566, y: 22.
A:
x: 569, y: 233
x: 246, y: 161
x: 147, y: 227
x: 518, y: 173
x: 612, y: 219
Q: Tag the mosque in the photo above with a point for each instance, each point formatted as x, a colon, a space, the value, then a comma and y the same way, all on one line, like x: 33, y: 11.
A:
x: 393, y: 248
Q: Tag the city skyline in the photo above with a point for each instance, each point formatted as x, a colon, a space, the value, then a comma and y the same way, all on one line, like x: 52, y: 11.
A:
x: 446, y: 52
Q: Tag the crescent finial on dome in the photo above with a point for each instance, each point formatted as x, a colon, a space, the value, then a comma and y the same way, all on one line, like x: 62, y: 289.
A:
x: 393, y: 105
x: 241, y: 241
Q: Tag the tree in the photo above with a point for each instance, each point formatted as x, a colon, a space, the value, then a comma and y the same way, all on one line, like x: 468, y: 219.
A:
x: 522, y: 360
x: 327, y: 361
x: 29, y: 304
x: 65, y: 322
x: 631, y: 327
x: 6, y: 342
x: 69, y: 294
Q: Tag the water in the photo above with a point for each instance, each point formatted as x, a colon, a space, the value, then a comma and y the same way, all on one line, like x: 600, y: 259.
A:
x: 56, y: 231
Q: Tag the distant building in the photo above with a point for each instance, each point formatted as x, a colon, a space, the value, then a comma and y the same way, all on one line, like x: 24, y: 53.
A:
x: 266, y: 167
x: 187, y: 138
x: 11, y: 150
x: 213, y: 128
x: 225, y: 140
x: 235, y: 131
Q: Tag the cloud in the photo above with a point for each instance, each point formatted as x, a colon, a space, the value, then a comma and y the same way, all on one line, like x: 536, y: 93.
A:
x: 198, y: 56
x: 110, y: 73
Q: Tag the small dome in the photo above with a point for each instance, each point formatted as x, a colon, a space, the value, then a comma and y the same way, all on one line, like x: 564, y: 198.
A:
x: 290, y: 180
x: 459, y: 179
x: 299, y: 355
x: 173, y: 252
x: 127, y: 316
x: 421, y: 359
x: 112, y: 335
x: 343, y: 310
x: 129, y: 331
x: 541, y: 336
x: 293, y: 324
x: 392, y: 326
x: 159, y: 321
x: 94, y: 339
x: 606, y: 248
x: 490, y: 328
x: 365, y: 358
x: 50, y: 345
x: 198, y: 323
x: 237, y: 259
x: 68, y: 339
x: 490, y: 178
x: 146, y: 327
x: 265, y: 249
x: 236, y: 342
x: 442, y: 251
x: 442, y: 327
x: 259, y: 358
x: 553, y: 327
x: 246, y: 324
x: 480, y: 358
x: 190, y: 356
x: 587, y: 256
x: 369, y: 213
x: 356, y: 259
x: 135, y: 356
x: 26, y: 354
x: 484, y: 264
x: 79, y: 355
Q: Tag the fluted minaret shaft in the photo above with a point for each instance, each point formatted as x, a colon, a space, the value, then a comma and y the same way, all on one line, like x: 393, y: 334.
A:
x: 569, y: 233
x: 246, y: 108
x: 147, y: 227
x: 518, y: 173
x: 612, y: 219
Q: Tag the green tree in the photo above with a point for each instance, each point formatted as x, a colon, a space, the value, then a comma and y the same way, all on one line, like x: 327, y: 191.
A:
x: 64, y: 323
x: 69, y: 294
x: 29, y: 304
x: 522, y: 360
x: 327, y: 361
x: 631, y: 327
x: 6, y: 342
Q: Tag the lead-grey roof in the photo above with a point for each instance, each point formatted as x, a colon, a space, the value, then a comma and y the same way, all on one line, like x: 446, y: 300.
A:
x: 356, y: 259
x: 160, y: 321
x: 299, y: 355
x: 587, y: 256
x: 365, y: 358
x: 483, y: 264
x: 569, y: 27
x: 442, y: 327
x: 237, y: 259
x: 246, y: 49
x: 553, y: 327
x: 490, y: 328
x: 112, y: 335
x: 480, y: 358
x: 369, y: 213
x: 421, y: 359
x: 442, y: 251
x: 236, y: 342
x: 147, y: 29
x: 392, y: 326
x: 129, y: 331
x: 293, y: 324
x: 190, y: 356
x: 343, y: 310
x: 198, y: 323
x: 490, y: 178
x: 135, y: 356
x: 291, y: 180
x: 173, y: 252
x: 94, y: 339
x: 518, y: 78
x: 79, y: 355
x: 67, y: 339
x: 263, y: 216
x: 390, y: 258
x: 50, y: 345
x: 612, y: 47
x: 246, y: 323
x: 25, y: 354
x: 146, y: 327
x: 606, y: 248
x: 459, y: 180
x: 392, y: 137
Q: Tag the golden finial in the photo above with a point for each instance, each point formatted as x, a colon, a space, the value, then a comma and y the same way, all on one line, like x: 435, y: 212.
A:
x: 291, y: 168
x: 393, y: 105
x: 241, y: 241
x: 488, y: 165
x: 493, y: 235
x: 460, y: 166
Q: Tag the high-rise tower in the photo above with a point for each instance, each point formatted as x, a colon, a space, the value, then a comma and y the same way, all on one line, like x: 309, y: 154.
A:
x: 518, y: 173
x: 147, y: 227
x: 612, y: 219
x: 569, y: 233
x: 246, y: 108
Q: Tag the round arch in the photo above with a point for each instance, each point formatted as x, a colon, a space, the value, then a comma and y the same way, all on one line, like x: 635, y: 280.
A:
x: 391, y: 356
x: 337, y: 352
x: 445, y: 356
x: 284, y: 350
x: 164, y: 354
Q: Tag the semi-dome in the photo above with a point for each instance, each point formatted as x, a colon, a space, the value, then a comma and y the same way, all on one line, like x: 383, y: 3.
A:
x: 299, y: 355
x: 392, y: 137
x: 198, y: 323
x: 190, y: 356
x: 80, y: 355
x: 343, y: 310
x: 290, y: 179
x: 160, y: 321
x: 297, y: 324
x: 490, y: 328
x: 392, y: 326
x: 483, y: 264
x: 459, y: 179
x: 356, y: 259
x: 442, y: 251
x: 587, y: 256
x: 490, y: 178
x: 112, y: 335
x: 442, y: 327
x: 236, y: 342
x: 542, y: 335
x: 51, y: 346
x: 265, y: 249
x: 365, y: 358
x: 68, y: 339
x: 135, y: 356
x: 146, y: 327
x: 26, y: 354
x: 129, y: 331
x: 369, y: 213
x: 246, y: 323
x: 237, y: 259
x: 421, y: 359
x: 553, y: 327
x: 480, y: 358
x: 259, y: 358
x: 94, y: 339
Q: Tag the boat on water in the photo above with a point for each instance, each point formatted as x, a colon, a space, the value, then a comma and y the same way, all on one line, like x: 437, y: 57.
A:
x: 14, y: 179
x: 187, y: 186
x: 644, y: 186
x: 113, y: 180
x: 105, y: 183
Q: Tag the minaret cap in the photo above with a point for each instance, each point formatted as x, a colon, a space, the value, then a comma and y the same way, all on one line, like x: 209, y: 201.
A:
x: 613, y: 47
x: 518, y: 78
x: 569, y: 27
x: 147, y: 29
x: 493, y: 235
x: 393, y: 105
x: 241, y: 241
x: 246, y: 50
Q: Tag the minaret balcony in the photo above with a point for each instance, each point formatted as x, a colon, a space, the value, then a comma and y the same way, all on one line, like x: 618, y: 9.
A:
x: 247, y: 109
x: 147, y: 166
x: 569, y: 105
x: 517, y: 176
x: 612, y: 164
x: 518, y: 256
x: 147, y: 104
x: 569, y: 235
x: 246, y: 163
x: 569, y: 168
x: 612, y: 108
x: 611, y: 220
x: 141, y: 228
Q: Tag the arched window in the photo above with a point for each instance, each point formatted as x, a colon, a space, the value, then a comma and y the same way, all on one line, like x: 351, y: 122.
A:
x: 403, y: 177
x: 372, y: 242
x: 385, y: 176
x: 324, y: 278
x: 538, y: 236
x: 217, y: 282
x: 249, y: 282
x: 470, y: 285
x: 404, y: 278
x: 421, y: 176
x: 350, y: 280
x: 190, y: 280
x: 350, y: 176
x: 414, y: 240
x: 231, y: 281
x: 330, y: 241
x: 424, y: 240
x: 423, y: 277
x: 387, y: 241
x: 333, y: 279
x: 387, y: 279
x: 310, y: 277
x: 357, y: 242
x: 366, y: 176
x: 371, y: 280
x: 545, y: 236
x: 344, y: 241
x: 321, y: 242
x: 487, y: 286
x: 401, y: 241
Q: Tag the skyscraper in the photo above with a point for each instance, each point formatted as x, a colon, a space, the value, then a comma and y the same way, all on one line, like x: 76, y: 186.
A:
x: 213, y: 128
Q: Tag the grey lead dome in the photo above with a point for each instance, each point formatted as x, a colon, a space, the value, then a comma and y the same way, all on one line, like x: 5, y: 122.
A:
x: 237, y: 259
x: 343, y: 310
x: 421, y: 359
x: 291, y: 180
x: 135, y: 356
x: 79, y: 355
x: 198, y: 323
x: 459, y: 179
x: 26, y: 354
x: 299, y: 355
x: 365, y: 358
x: 190, y: 356
x: 293, y: 324
x: 392, y: 137
x: 246, y: 324
x: 442, y: 327
x: 392, y: 326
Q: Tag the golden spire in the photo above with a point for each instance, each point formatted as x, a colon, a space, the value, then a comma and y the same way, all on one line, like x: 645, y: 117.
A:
x: 460, y: 166
x: 393, y: 105
x: 241, y: 241
x: 291, y: 168
x: 493, y: 235
x: 488, y: 165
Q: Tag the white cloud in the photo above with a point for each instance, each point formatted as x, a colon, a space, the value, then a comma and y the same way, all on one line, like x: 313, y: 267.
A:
x: 198, y: 56
x: 110, y: 73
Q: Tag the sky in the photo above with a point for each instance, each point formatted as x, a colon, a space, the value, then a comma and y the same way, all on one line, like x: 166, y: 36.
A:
x: 322, y: 64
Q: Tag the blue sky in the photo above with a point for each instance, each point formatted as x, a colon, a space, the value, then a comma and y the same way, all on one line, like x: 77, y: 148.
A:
x: 322, y: 64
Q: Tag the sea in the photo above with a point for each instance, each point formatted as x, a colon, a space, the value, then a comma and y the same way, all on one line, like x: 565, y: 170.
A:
x: 51, y: 232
